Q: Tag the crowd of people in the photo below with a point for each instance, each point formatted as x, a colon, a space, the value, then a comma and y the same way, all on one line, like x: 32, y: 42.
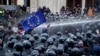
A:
x: 13, y: 15
x: 68, y: 13
x: 83, y: 42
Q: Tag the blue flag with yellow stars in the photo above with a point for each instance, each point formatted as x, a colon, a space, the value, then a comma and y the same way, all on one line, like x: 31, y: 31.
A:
x: 33, y: 20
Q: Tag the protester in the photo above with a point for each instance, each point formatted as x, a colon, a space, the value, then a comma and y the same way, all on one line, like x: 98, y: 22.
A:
x: 90, y: 12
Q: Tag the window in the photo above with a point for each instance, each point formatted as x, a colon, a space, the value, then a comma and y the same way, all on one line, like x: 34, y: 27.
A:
x: 0, y: 2
x: 88, y: 3
x: 3, y: 2
x: 9, y: 2
x: 70, y: 3
x: 28, y: 3
x: 78, y: 3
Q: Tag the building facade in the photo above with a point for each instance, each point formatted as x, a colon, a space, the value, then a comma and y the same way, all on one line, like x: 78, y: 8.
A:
x: 13, y: 2
x: 8, y: 2
x: 54, y: 5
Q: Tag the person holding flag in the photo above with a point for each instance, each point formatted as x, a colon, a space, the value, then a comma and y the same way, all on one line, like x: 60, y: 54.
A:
x: 45, y: 30
x: 32, y: 21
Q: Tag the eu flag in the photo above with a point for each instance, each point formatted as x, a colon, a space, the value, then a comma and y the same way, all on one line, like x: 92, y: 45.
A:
x: 33, y: 20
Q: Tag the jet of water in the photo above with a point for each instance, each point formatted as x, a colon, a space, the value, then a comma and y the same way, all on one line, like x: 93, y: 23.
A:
x: 63, y: 23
